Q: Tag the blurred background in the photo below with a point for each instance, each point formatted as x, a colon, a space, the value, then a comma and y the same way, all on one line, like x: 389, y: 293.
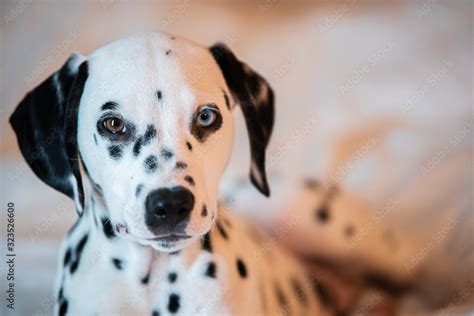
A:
x: 374, y: 96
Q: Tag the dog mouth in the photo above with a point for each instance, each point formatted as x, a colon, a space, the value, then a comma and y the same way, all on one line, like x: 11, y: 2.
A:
x: 171, y: 238
x: 165, y: 239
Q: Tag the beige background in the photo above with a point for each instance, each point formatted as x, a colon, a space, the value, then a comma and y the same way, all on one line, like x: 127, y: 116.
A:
x: 377, y: 97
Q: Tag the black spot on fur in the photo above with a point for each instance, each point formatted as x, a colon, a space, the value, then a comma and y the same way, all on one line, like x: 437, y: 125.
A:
x: 241, y: 268
x: 322, y: 293
x: 74, y: 266
x: 167, y: 154
x: 138, y: 190
x: 150, y: 133
x: 281, y: 298
x: 151, y: 164
x: 159, y: 94
x: 189, y: 180
x: 172, y: 277
x: 190, y: 147
x: 137, y: 146
x: 299, y: 292
x: 155, y: 313
x: 107, y: 227
x: 115, y: 152
x: 174, y: 253
x: 226, y: 99
x: 349, y: 231
x: 222, y: 230
x: 211, y: 270
x: 173, y: 303
x: 78, y: 253
x: 204, y: 210
x: 95, y: 140
x: 110, y: 106
x: 99, y: 188
x: 311, y: 183
x: 206, y: 242
x: 227, y: 222
x: 81, y: 245
x: 117, y: 263
x: 181, y: 165
x: 67, y: 257
x: 63, y: 308
x: 60, y: 294
x: 146, y: 278
x: 322, y: 214
x: 168, y: 52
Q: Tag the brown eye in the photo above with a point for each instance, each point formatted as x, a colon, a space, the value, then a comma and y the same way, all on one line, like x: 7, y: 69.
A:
x: 114, y: 125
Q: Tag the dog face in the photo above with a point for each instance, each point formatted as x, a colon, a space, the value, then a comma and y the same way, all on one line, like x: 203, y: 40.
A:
x: 144, y: 126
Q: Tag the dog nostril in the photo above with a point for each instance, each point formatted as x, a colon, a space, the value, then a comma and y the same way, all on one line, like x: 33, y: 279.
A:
x: 161, y: 212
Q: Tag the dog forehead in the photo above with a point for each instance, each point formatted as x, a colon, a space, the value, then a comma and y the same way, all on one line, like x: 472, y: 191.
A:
x: 151, y: 62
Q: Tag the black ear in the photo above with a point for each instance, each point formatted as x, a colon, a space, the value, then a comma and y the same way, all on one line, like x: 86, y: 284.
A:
x: 45, y: 124
x: 256, y: 99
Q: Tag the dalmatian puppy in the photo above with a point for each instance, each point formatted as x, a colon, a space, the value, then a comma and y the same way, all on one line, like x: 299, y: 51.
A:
x: 138, y: 134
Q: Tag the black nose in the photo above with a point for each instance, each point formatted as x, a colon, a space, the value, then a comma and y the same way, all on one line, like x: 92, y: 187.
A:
x: 168, y: 210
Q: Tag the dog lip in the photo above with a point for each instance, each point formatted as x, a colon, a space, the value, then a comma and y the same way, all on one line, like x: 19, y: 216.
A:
x: 170, y: 238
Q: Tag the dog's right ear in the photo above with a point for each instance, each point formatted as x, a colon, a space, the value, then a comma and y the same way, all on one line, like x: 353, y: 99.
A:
x: 45, y: 123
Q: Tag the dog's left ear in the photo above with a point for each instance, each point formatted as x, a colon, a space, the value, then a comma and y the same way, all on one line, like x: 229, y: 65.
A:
x: 45, y: 123
x: 256, y: 100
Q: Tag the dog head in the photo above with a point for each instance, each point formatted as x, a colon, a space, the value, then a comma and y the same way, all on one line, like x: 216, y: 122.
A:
x: 144, y: 126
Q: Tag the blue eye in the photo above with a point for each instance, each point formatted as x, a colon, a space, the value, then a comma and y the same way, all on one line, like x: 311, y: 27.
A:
x: 206, y: 117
